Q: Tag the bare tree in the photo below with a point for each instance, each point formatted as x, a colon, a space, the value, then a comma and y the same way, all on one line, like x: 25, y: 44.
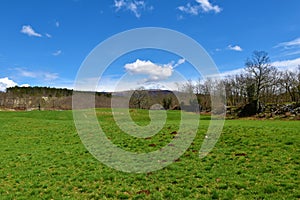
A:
x: 297, y: 84
x: 288, y: 81
x: 189, y: 87
x: 198, y: 86
x: 261, y: 72
x: 140, y: 98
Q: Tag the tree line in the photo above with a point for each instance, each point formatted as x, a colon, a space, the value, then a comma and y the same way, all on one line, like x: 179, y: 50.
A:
x: 259, y: 83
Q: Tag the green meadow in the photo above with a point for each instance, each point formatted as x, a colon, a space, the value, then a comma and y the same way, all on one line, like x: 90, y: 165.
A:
x: 42, y: 157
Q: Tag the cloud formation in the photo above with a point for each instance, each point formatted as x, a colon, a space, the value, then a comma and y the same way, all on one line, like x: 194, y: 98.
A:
x: 46, y: 76
x: 287, y: 64
x: 57, y: 53
x: 25, y: 85
x: 290, y: 44
x: 48, y: 35
x: 134, y: 6
x: 179, y: 62
x: 289, y: 48
x: 201, y: 6
x: 28, y: 30
x: 49, y: 76
x: 6, y: 83
x: 234, y: 48
x: 155, y: 72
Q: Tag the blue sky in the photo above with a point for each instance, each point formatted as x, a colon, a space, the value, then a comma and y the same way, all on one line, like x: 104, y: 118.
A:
x: 43, y: 43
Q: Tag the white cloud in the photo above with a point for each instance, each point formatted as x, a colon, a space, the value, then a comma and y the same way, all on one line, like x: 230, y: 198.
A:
x: 287, y: 64
x: 154, y: 72
x: 200, y: 6
x: 6, y: 83
x: 119, y: 4
x: 49, y: 76
x: 232, y: 72
x: 48, y: 35
x: 25, y: 85
x: 235, y: 48
x: 226, y: 74
x: 289, y: 48
x: 26, y: 73
x: 207, y: 7
x: 46, y: 76
x: 57, y: 53
x: 193, y: 10
x: 28, y: 30
x: 57, y: 24
x: 295, y: 52
x: 290, y: 44
x: 179, y: 62
x: 134, y: 6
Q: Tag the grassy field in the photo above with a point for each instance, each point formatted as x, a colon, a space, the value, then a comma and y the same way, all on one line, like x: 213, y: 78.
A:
x: 42, y: 157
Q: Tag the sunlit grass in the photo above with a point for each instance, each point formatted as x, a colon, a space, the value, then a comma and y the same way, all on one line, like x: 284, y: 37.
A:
x: 42, y: 157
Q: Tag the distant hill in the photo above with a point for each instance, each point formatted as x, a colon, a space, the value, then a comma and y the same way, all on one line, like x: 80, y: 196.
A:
x: 46, y: 98
x: 43, y: 98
